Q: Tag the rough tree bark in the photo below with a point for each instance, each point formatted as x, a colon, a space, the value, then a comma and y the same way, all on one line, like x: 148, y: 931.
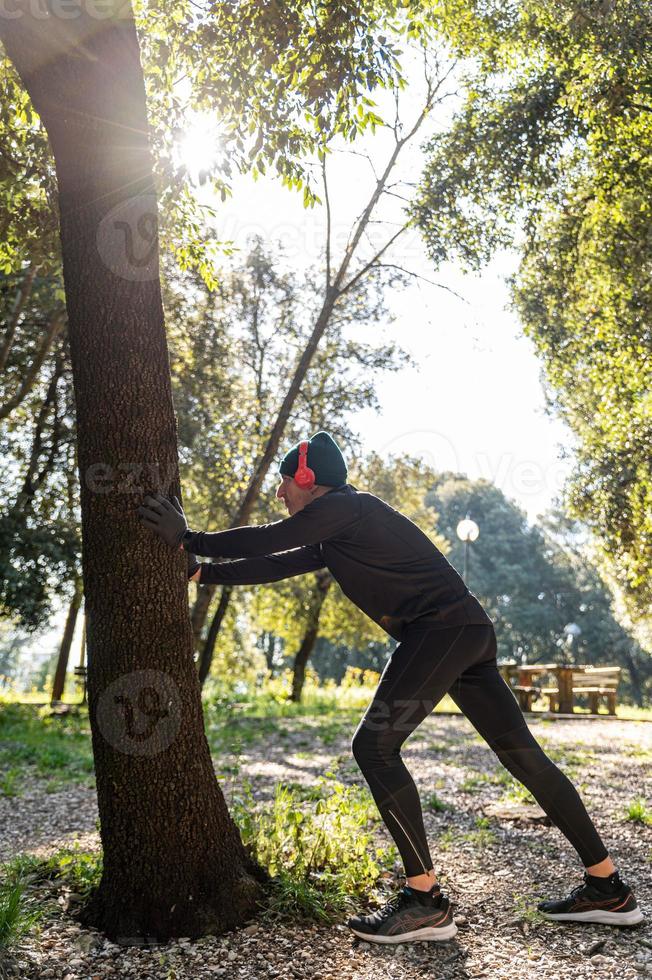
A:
x: 324, y: 580
x: 174, y: 863
x: 66, y: 642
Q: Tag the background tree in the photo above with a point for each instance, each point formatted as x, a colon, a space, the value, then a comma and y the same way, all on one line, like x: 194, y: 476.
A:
x: 59, y: 682
x: 554, y: 139
x: 534, y: 580
x: 39, y: 536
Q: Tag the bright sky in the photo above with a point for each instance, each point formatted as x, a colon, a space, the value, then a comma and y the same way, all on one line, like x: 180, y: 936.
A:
x: 473, y: 402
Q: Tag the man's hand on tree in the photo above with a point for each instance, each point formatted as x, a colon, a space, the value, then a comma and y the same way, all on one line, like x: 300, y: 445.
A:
x: 165, y: 518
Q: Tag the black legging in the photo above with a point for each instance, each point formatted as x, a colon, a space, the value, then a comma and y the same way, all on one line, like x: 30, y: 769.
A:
x: 460, y: 660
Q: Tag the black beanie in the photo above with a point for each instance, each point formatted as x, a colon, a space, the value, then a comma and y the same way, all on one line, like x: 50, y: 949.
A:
x: 324, y: 457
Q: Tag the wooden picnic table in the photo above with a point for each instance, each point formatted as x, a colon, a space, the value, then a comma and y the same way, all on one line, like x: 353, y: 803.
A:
x: 525, y: 674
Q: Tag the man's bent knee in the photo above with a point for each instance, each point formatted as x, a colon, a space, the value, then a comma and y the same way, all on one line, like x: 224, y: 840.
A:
x: 372, y: 751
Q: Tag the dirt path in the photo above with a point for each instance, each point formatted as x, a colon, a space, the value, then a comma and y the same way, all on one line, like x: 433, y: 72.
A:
x: 492, y: 876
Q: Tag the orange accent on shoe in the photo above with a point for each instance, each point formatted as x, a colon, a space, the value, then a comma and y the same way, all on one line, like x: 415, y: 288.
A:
x: 621, y: 904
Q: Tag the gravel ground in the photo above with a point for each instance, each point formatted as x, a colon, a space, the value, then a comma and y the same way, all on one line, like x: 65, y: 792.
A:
x: 491, y: 879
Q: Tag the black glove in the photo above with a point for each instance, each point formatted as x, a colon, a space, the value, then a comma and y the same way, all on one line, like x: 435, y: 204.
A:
x: 167, y: 519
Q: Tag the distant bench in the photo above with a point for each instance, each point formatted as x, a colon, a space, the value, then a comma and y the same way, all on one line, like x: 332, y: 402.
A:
x: 593, y: 682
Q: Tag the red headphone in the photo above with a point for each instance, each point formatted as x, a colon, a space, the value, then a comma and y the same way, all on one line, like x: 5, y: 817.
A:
x: 304, y: 476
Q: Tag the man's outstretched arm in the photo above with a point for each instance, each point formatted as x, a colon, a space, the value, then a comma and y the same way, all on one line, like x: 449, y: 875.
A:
x: 255, y: 571
x: 319, y: 520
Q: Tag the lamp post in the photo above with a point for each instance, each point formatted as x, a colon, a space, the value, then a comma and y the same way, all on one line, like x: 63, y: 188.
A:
x: 565, y: 675
x: 467, y: 531
x: 572, y: 631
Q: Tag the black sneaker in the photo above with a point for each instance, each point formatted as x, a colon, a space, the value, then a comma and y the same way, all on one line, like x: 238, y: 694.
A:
x: 410, y: 915
x: 611, y: 903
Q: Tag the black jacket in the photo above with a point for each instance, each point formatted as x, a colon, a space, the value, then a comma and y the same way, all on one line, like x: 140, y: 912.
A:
x: 382, y: 561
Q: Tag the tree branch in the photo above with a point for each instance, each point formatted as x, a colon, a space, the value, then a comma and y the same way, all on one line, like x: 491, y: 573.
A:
x: 378, y: 191
x: 363, y: 156
x: 416, y: 275
x: 33, y: 479
x: 54, y: 326
x: 365, y: 268
x: 328, y: 221
x: 24, y: 290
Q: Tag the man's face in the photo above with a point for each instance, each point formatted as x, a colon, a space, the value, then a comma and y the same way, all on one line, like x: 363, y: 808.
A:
x: 294, y: 498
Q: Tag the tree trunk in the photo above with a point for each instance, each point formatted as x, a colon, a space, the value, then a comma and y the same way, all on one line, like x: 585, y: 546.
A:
x: 174, y: 863
x: 324, y: 580
x: 301, y: 660
x: 200, y: 612
x: 635, y: 678
x: 209, y: 646
x: 270, y: 643
x: 83, y: 660
x: 262, y: 468
x: 66, y: 642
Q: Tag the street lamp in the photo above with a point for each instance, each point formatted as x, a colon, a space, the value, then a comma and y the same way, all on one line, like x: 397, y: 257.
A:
x: 572, y: 631
x: 467, y: 530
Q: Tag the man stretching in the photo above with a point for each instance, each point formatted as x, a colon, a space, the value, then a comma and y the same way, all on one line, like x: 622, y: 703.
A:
x: 389, y: 568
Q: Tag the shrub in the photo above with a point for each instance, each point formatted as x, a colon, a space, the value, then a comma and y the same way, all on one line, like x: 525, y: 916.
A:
x: 638, y: 812
x: 318, y: 850
x: 18, y: 912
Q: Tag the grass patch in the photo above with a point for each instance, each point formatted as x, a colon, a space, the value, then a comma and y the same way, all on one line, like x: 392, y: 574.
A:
x: 638, y: 812
x: 480, y: 838
x: 446, y: 839
x: 568, y: 758
x: 483, y: 836
x: 35, y: 742
x: 18, y: 914
x: 525, y: 908
x: 78, y: 869
x: 19, y: 910
x: 316, y: 843
x: 476, y: 782
x: 235, y: 731
x: 227, y: 704
x: 434, y: 802
x: 9, y: 782
x: 638, y: 752
x: 517, y: 793
x: 514, y: 792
